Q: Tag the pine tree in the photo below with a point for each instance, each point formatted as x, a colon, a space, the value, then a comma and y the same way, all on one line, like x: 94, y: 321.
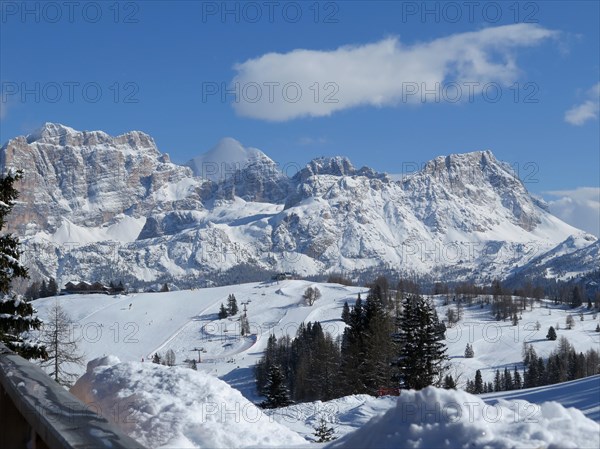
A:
x: 324, y: 432
x: 156, y: 358
x: 422, y: 351
x: 222, y: 312
x: 517, y: 379
x: 277, y: 394
x: 551, y: 334
x: 478, y: 386
x: 449, y: 383
x: 469, y: 353
x: 44, y: 290
x: 16, y: 315
x: 346, y: 313
x: 508, y: 381
x: 497, y: 381
x: 597, y: 327
x: 52, y: 287
x: 61, y: 345
x: 164, y: 288
x: 232, y: 307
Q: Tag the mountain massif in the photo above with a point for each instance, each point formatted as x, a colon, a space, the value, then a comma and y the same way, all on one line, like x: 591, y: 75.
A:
x: 100, y: 208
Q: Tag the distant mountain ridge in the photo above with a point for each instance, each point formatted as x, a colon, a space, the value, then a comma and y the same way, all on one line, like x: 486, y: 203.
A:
x: 100, y: 207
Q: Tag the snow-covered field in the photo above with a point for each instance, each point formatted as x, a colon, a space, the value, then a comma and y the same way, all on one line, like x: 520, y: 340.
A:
x: 133, y: 327
x: 181, y: 408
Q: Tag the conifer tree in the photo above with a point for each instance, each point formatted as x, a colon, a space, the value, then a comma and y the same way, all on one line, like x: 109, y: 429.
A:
x: 324, y: 432
x: 222, y: 312
x: 346, y: 313
x: 422, y: 351
x: 478, y: 385
x: 232, y: 307
x: 16, y: 315
x: 277, y: 394
x: 469, y: 353
x: 517, y: 379
x: 551, y: 333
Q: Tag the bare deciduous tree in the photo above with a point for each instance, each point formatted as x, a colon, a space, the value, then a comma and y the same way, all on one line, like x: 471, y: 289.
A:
x: 61, y: 345
x: 311, y: 294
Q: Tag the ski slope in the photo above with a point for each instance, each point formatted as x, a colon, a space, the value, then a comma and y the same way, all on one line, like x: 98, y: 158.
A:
x: 134, y: 327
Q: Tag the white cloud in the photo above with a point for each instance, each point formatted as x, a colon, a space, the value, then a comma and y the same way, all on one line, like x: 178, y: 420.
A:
x: 579, y: 207
x: 379, y: 74
x: 588, y: 110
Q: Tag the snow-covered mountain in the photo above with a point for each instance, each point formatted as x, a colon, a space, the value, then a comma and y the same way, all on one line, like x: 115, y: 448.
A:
x: 98, y: 207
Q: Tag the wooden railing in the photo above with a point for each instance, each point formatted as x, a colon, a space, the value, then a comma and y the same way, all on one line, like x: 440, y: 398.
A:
x: 36, y: 412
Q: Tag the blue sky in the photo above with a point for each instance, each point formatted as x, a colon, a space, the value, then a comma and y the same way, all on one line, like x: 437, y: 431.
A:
x: 362, y: 69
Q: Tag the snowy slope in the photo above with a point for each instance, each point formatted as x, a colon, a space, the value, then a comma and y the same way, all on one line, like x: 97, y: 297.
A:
x: 186, y: 320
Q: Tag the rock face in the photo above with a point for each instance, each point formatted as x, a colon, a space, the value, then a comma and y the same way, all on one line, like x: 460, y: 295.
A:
x: 98, y: 207
x: 89, y: 178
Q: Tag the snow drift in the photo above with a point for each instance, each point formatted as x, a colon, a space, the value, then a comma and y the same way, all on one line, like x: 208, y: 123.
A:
x: 436, y: 418
x: 177, y: 407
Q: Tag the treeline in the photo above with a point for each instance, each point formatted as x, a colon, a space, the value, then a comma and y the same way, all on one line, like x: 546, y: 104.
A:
x: 563, y: 364
x: 384, y: 345
x: 41, y: 289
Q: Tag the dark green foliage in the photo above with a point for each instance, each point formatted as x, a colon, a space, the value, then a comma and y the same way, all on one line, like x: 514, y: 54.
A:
x: 449, y: 383
x: 232, y: 307
x: 551, y: 333
x: 423, y: 358
x: 324, y: 432
x: 222, y: 312
x: 18, y: 315
x: 277, y: 394
x: 478, y: 384
x: 469, y: 353
x: 346, y: 313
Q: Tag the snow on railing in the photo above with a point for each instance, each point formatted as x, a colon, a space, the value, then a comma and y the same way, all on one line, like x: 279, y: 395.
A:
x: 37, y: 412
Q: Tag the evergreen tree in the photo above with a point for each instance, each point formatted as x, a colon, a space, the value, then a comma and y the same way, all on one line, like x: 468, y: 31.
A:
x: 324, y: 432
x: 52, y: 287
x: 422, y: 351
x: 44, y: 290
x: 156, y: 358
x: 478, y: 385
x: 449, y: 383
x: 551, y: 334
x: 232, y: 306
x: 165, y: 288
x: 508, y: 380
x: 61, y: 345
x: 597, y: 327
x: 469, y: 353
x: 222, y: 312
x: 517, y: 379
x: 497, y: 381
x: 576, y: 297
x: 277, y: 394
x: 16, y: 315
x: 346, y: 313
